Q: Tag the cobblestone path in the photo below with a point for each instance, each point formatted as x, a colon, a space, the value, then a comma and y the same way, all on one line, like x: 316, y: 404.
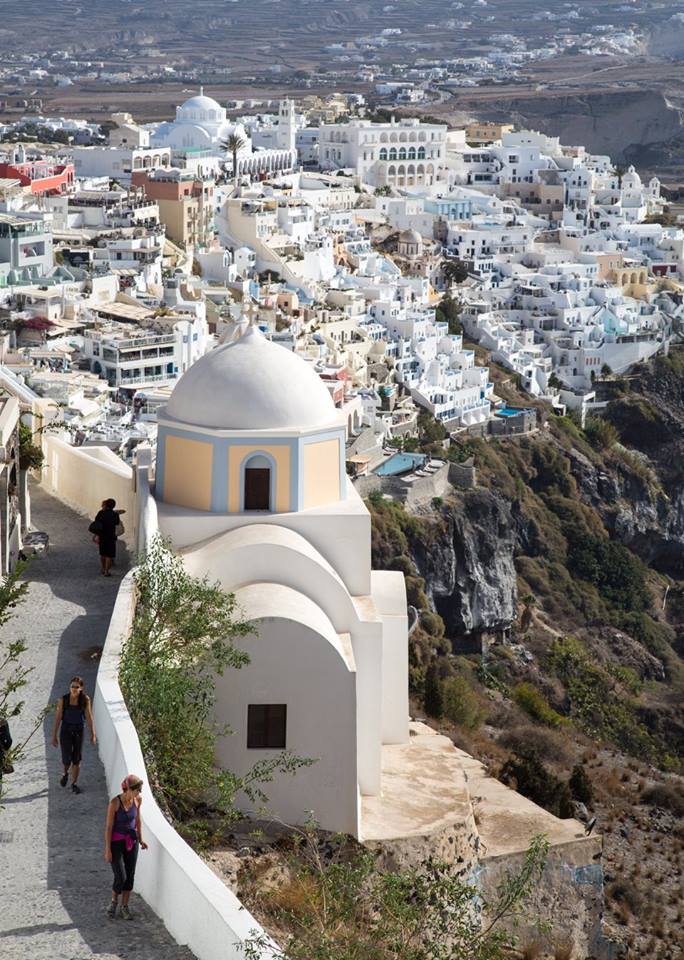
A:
x: 54, y: 883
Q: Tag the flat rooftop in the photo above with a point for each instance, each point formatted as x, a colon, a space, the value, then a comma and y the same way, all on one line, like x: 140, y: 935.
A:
x: 424, y: 789
x: 507, y: 821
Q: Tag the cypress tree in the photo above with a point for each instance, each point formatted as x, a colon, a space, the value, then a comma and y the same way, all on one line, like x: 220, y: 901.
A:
x: 434, y: 700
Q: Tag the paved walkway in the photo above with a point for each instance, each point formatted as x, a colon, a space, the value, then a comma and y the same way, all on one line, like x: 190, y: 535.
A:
x: 54, y: 883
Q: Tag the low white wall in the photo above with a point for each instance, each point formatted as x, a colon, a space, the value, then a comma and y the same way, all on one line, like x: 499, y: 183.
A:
x: 83, y: 477
x: 198, y: 910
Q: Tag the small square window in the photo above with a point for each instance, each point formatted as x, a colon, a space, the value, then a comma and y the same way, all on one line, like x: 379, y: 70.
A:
x: 266, y: 726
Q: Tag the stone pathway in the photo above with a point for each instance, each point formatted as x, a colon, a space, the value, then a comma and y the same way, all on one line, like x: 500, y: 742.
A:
x: 54, y: 883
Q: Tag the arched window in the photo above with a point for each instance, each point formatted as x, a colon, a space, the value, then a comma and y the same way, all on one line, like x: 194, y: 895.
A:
x: 402, y: 153
x: 393, y: 153
x: 421, y: 153
x: 412, y: 153
x: 383, y: 153
x: 256, y: 483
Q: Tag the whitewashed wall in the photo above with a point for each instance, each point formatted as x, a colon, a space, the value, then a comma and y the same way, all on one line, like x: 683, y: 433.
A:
x: 199, y: 911
x: 82, y: 477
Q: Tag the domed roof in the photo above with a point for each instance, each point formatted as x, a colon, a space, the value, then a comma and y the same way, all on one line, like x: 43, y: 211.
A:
x: 200, y: 102
x: 251, y: 384
x: 410, y: 236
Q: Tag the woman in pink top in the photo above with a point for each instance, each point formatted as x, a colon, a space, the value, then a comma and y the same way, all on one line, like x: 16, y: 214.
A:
x: 123, y: 837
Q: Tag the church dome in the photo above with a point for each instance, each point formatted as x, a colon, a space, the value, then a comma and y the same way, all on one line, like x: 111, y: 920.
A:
x: 410, y: 236
x: 251, y: 384
x: 201, y: 108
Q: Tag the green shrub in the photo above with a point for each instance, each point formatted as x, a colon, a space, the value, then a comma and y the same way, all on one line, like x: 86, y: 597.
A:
x: 580, y: 785
x: 432, y: 623
x: 552, y: 471
x: 600, y: 433
x: 616, y: 572
x: 593, y: 700
x: 432, y: 697
x: 461, y: 704
x: 531, y: 778
x: 669, y: 796
x: 533, y: 702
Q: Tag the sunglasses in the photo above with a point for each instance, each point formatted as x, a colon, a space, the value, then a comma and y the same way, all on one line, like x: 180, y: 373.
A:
x: 138, y: 786
x: 75, y: 686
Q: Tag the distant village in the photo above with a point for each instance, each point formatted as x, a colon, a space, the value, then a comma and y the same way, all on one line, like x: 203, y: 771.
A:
x: 382, y: 253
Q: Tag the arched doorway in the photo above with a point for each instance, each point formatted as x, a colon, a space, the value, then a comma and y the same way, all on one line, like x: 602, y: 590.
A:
x: 257, y: 483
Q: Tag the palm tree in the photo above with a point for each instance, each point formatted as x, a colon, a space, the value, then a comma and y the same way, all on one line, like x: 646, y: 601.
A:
x: 233, y: 144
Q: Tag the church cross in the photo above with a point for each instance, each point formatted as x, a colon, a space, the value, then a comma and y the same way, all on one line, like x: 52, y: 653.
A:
x: 252, y: 313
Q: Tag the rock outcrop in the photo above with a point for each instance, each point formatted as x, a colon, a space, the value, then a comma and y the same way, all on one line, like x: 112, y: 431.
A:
x: 468, y: 567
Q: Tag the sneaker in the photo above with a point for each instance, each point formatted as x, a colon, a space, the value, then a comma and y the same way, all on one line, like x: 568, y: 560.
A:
x: 125, y: 913
x: 75, y: 788
x: 63, y: 780
x: 111, y: 910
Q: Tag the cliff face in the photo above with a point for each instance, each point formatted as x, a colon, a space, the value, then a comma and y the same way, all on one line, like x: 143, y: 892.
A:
x: 568, y: 561
x: 469, y: 568
x: 618, y: 123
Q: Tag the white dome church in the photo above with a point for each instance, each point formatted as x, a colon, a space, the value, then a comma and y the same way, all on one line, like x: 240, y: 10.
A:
x: 252, y: 490
x: 201, y: 123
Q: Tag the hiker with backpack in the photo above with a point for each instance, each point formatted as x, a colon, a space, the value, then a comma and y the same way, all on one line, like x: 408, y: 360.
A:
x: 73, y: 711
x: 106, y: 527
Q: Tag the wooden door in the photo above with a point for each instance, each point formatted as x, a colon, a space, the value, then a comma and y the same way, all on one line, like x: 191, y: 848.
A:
x: 257, y: 488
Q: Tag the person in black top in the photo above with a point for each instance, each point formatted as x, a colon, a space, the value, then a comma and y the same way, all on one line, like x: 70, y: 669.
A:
x: 5, y: 747
x: 73, y: 710
x: 104, y: 526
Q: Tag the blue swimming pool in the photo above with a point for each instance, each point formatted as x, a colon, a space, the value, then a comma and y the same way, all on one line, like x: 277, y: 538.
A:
x: 401, y: 463
x: 508, y: 412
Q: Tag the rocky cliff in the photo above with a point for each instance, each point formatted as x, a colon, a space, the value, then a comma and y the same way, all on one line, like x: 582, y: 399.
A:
x: 468, y: 567
x: 623, y: 124
x: 568, y: 561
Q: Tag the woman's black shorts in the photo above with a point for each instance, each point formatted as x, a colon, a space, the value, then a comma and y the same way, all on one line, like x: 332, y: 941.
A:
x: 71, y: 742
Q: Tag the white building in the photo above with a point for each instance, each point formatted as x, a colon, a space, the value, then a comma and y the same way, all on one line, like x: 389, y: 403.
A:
x: 202, y: 124
x: 25, y: 248
x: 402, y: 153
x: 131, y: 357
x: 118, y: 163
x: 251, y: 486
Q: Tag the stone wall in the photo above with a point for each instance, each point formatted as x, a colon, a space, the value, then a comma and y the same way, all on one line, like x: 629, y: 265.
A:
x: 568, y: 898
x: 463, y: 476
x: 420, y: 490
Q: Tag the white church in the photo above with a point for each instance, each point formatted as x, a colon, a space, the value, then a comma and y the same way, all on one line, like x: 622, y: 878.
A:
x: 201, y: 123
x: 252, y: 490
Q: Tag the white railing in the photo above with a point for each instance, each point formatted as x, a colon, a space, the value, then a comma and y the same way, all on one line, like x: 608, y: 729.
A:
x: 199, y: 911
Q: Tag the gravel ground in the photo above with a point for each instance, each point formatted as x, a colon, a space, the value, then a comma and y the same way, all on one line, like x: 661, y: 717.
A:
x: 54, y: 883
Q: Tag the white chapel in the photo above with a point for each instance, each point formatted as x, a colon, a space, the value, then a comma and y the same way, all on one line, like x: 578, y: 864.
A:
x: 252, y: 490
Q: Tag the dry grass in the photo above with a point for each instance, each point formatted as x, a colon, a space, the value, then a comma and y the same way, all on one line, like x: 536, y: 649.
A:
x: 563, y: 950
x: 532, y: 950
x: 295, y: 896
